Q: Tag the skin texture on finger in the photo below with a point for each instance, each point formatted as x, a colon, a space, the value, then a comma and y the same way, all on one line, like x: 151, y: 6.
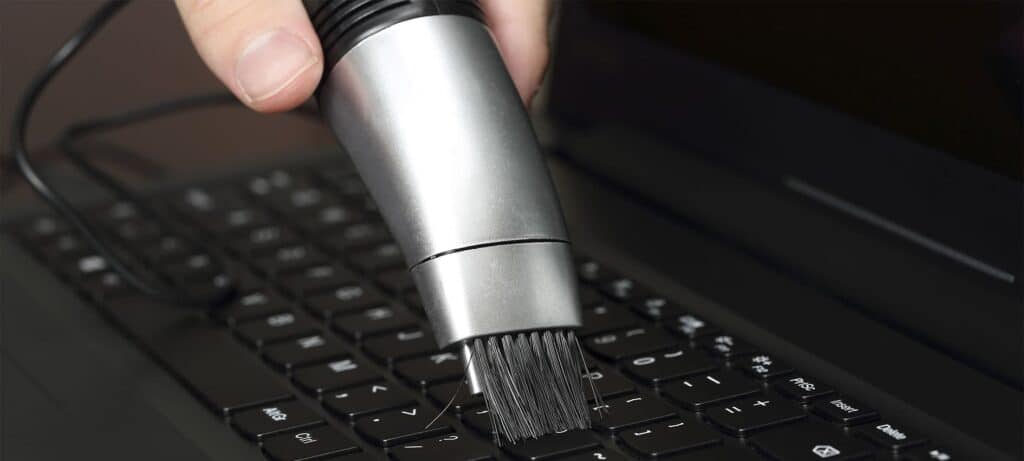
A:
x: 265, y: 51
x: 521, y: 29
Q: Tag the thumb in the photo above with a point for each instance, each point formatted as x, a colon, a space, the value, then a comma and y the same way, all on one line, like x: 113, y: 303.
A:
x: 265, y: 51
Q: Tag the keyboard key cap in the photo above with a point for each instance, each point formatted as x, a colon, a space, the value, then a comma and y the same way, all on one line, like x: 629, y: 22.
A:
x: 274, y: 418
x: 726, y: 346
x: 668, y: 437
x: 167, y: 249
x: 196, y: 267
x: 630, y: 410
x: 378, y: 258
x: 316, y: 279
x: 300, y: 200
x: 594, y: 272
x: 273, y: 328
x: 400, y: 345
x: 290, y: 258
x: 65, y: 247
x: 397, y: 427
x: 236, y: 220
x: 802, y: 388
x: 719, y: 453
x: 374, y: 321
x: 455, y: 447
x: 202, y: 202
x: 698, y: 392
x: 590, y: 297
x: 621, y: 289
x: 844, y: 410
x: 690, y: 326
x: 596, y: 454
x: 608, y: 383
x: 396, y: 281
x: 551, y: 446
x: 329, y: 217
x: 253, y: 305
x: 106, y: 286
x: 753, y: 414
x: 810, y: 442
x: 627, y: 343
x: 762, y: 366
x: 480, y: 420
x: 137, y: 231
x: 669, y: 364
x: 304, y: 351
x: 373, y: 398
x: 441, y: 394
x: 357, y: 236
x: 265, y: 238
x: 605, y: 317
x: 275, y: 182
x: 308, y: 444
x: 345, y: 299
x: 338, y: 374
x: 43, y: 228
x: 656, y: 308
x: 930, y: 453
x: 427, y: 371
x: 889, y: 435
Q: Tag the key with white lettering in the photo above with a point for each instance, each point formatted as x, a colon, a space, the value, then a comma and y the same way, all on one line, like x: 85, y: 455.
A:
x: 697, y: 392
x: 810, y: 442
x: 336, y: 374
x: 802, y: 388
x: 401, y: 344
x: 668, y: 437
x: 630, y: 410
x: 668, y: 364
x: 274, y: 328
x: 762, y: 366
x: 261, y: 303
x: 304, y: 351
x: 450, y: 446
x: 274, y: 418
x: 887, y: 434
x: 844, y: 410
x: 930, y: 453
x: 628, y: 343
x: 398, y: 427
x: 596, y: 454
x: 607, y: 382
x: 374, y: 321
x: 726, y: 346
x: 432, y: 369
x: 308, y: 444
x: 372, y: 398
x: 754, y: 414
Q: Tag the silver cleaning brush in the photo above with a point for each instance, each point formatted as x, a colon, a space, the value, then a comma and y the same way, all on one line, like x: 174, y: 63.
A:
x: 417, y: 92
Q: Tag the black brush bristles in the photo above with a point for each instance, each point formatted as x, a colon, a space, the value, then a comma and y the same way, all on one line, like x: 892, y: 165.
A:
x: 532, y: 383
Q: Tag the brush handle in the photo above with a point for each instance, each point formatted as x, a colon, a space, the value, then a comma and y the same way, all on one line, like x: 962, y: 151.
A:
x: 420, y: 98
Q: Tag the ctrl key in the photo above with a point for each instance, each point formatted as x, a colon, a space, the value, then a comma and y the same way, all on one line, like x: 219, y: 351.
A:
x: 308, y: 444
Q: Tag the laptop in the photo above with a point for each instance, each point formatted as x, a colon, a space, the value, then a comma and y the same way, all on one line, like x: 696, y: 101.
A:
x: 797, y: 230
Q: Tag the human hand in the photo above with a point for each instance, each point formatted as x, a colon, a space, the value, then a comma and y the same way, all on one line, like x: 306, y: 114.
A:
x: 267, y: 53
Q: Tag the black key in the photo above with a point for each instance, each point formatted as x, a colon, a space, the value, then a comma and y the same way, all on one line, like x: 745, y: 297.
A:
x: 344, y: 180
x: 236, y: 220
x: 414, y: 302
x: 657, y: 308
x: 844, y: 410
x: 300, y: 200
x: 201, y: 203
x: 86, y: 266
x: 608, y: 383
x: 275, y: 182
x: 195, y: 267
x: 605, y: 317
x: 400, y: 426
x: 590, y: 297
x: 551, y: 446
x: 430, y: 370
x: 630, y: 410
x: 290, y: 258
x: 628, y: 343
x: 810, y: 442
x: 454, y: 447
x: 345, y: 299
x: 274, y: 418
x: 669, y: 364
x: 719, y: 453
x: 137, y: 231
x: 480, y: 420
x: 363, y: 400
x: 356, y: 236
x: 338, y: 374
x: 308, y: 444
x: 374, y: 321
x: 304, y: 351
x: 378, y: 258
x: 273, y: 328
x: 317, y: 279
x: 44, y: 228
x: 594, y: 272
x: 167, y: 249
x: 396, y: 281
x: 753, y: 414
x: 668, y: 437
x: 253, y: 305
x: 106, y: 286
x: 400, y: 345
x: 930, y: 453
x: 225, y: 375
x: 698, y: 392
x: 264, y: 238
x: 726, y: 346
x: 442, y: 394
x: 329, y: 217
x: 118, y: 211
x: 596, y: 454
x: 690, y: 326
x: 762, y: 366
x: 65, y: 247
x: 621, y: 289
x: 889, y: 435
x: 802, y: 388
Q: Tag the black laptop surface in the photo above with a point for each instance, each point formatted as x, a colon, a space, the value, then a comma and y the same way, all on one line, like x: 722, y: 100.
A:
x: 798, y: 233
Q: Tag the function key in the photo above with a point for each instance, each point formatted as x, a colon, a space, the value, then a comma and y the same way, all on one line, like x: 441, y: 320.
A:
x: 274, y: 418
x: 762, y: 366
x: 356, y: 236
x: 627, y: 343
x: 399, y: 345
x: 668, y: 364
x: 753, y: 414
x: 656, y: 308
x: 892, y: 436
x: 374, y: 321
x: 400, y: 426
x: 802, y: 388
x: 316, y: 279
x: 345, y: 299
x: 373, y: 398
x: 304, y: 351
x: 844, y: 410
x: 277, y: 327
x: 690, y: 326
x: 605, y: 317
x: 450, y: 446
x: 315, y: 443
x: 253, y: 305
x: 726, y: 346
x: 426, y: 371
x: 629, y: 410
x: 810, y: 441
x: 668, y: 437
x: 338, y: 374
x: 696, y: 393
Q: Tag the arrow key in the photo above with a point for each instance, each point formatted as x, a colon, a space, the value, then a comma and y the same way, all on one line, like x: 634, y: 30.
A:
x: 397, y: 427
x: 373, y: 398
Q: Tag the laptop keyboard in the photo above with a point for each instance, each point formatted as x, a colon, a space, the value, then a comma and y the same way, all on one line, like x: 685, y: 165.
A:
x: 327, y: 353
